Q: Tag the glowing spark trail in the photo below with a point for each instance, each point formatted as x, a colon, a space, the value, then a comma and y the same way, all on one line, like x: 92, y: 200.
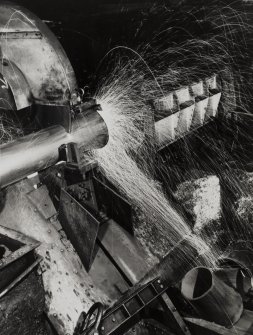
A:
x: 122, y: 116
x: 174, y: 61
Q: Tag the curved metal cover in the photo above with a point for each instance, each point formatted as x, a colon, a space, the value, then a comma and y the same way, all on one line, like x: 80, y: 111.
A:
x: 28, y: 43
x: 7, y: 101
x: 16, y: 83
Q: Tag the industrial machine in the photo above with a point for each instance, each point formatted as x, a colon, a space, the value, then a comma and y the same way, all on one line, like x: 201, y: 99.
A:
x: 70, y: 262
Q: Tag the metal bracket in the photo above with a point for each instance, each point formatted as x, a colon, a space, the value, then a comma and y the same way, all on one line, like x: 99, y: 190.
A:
x: 18, y: 258
x: 20, y: 245
x: 69, y: 153
x: 81, y: 227
x: 20, y: 277
x: 114, y: 205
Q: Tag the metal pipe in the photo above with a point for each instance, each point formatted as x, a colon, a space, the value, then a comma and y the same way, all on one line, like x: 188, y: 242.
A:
x: 39, y: 150
x: 172, y: 268
x: 238, y: 258
x: 237, y: 278
x: 213, y: 299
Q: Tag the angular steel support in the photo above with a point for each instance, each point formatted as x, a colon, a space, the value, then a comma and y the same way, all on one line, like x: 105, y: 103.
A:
x: 17, y: 255
x: 80, y: 226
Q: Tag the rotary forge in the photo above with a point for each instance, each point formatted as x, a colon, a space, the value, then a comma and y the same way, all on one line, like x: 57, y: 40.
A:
x: 69, y: 259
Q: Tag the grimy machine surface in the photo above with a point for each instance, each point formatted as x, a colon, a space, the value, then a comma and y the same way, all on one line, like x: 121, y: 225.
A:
x: 69, y: 261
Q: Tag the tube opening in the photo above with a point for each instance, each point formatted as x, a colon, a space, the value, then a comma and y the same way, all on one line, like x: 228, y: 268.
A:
x: 196, y: 283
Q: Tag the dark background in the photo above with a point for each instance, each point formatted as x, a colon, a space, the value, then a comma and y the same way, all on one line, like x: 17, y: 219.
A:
x: 88, y: 29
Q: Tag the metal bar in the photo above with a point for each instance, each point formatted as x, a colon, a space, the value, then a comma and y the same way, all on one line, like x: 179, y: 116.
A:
x: 127, y: 255
x: 39, y: 150
x: 242, y: 327
x: 27, y: 244
x: 175, y: 314
x: 20, y: 35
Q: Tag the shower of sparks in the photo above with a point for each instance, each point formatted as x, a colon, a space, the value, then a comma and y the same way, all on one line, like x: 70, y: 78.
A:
x: 123, y: 113
x: 9, y: 128
x: 174, y: 56
x: 124, y: 97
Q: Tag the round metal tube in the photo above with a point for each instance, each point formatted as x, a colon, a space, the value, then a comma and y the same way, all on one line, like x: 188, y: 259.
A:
x: 213, y: 299
x: 39, y: 150
x: 238, y: 258
x: 172, y: 268
x: 237, y: 278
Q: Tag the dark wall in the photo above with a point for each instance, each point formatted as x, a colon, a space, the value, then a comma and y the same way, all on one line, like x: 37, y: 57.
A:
x: 88, y: 29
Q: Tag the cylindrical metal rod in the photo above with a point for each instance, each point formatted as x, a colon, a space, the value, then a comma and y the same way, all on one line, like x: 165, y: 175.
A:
x: 172, y: 268
x: 39, y: 150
